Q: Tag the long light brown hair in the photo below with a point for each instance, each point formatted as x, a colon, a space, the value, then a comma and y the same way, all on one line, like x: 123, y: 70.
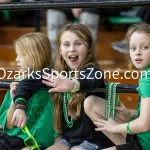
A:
x: 38, y: 47
x: 74, y: 105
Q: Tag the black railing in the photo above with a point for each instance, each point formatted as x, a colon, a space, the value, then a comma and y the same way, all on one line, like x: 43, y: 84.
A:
x: 121, y: 88
x: 72, y: 4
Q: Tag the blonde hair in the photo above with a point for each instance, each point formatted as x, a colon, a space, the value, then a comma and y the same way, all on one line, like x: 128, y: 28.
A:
x: 37, y: 46
x: 75, y: 104
x: 140, y: 28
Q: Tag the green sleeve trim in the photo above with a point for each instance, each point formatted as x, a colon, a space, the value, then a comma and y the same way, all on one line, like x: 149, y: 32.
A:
x: 20, y: 99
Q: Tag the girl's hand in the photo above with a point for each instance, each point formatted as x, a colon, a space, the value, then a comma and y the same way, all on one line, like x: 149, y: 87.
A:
x: 103, y: 125
x: 123, y: 113
x: 13, y: 86
x: 19, y: 118
x: 58, y: 83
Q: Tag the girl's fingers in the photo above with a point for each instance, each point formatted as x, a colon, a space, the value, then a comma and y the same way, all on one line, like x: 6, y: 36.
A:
x: 23, y: 123
x: 112, y: 121
x: 19, y: 122
x: 48, y: 83
x: 15, y: 121
x: 12, y: 84
x: 99, y: 123
x: 99, y: 129
x: 119, y: 108
x: 52, y: 90
x: 99, y: 120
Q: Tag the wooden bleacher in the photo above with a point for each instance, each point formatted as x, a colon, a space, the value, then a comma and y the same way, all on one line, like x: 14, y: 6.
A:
x: 7, y: 53
x: 9, y: 34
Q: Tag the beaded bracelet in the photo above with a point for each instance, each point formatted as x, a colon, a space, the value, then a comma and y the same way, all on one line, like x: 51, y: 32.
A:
x: 76, y: 86
x: 128, y: 128
x: 20, y: 106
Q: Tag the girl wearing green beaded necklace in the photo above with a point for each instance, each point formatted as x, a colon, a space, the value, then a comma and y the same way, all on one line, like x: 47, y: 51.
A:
x: 76, y: 51
x: 137, y: 127
x: 33, y: 51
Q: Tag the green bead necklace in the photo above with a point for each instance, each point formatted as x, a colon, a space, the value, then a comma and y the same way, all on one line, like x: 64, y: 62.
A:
x: 66, y: 98
x: 112, y: 100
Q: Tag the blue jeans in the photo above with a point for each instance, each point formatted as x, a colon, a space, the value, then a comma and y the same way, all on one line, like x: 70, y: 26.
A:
x: 85, y: 145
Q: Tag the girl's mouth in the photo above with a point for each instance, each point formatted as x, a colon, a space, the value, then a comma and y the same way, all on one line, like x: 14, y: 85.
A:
x: 73, y: 58
x: 138, y: 60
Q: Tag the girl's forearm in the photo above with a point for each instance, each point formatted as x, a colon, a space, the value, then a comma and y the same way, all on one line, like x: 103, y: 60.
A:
x: 9, y: 116
x: 135, y: 126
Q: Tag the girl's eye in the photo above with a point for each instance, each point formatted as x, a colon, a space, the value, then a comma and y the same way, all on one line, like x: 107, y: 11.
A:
x: 66, y: 44
x: 78, y: 43
x: 132, y: 48
x: 145, y: 47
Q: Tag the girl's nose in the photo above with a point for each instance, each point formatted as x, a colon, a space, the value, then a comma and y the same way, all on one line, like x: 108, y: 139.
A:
x: 72, y: 49
x: 17, y: 59
x: 138, y: 51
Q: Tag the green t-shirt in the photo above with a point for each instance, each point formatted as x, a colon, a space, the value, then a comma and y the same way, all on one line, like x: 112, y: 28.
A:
x: 39, y: 112
x: 144, y: 91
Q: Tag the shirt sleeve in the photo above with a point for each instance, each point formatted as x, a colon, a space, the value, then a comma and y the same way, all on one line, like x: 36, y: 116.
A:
x: 144, y: 86
x: 4, y: 109
x: 90, y: 79
x: 29, y: 86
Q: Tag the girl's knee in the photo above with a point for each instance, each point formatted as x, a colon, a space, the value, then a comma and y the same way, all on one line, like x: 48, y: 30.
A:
x: 89, y: 102
x: 94, y: 106
x: 92, y: 102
